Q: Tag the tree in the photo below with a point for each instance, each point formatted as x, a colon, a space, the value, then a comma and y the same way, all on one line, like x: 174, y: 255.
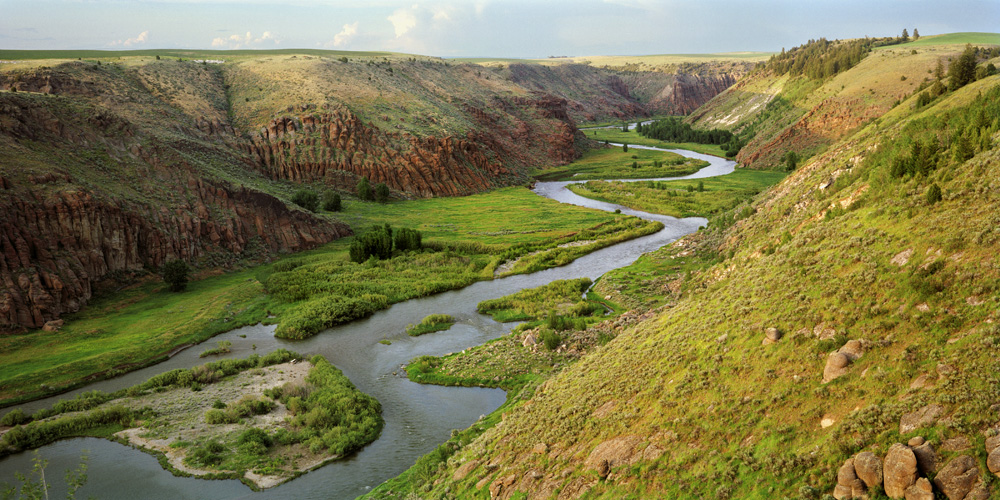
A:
x: 381, y: 193
x: 376, y: 242
x: 916, y: 34
x: 407, y: 239
x: 306, y: 199
x: 331, y: 202
x: 175, y: 274
x: 906, y: 35
x: 962, y: 71
x: 625, y: 148
x: 701, y: 186
x: 933, y: 194
x: 791, y: 160
x: 364, y: 190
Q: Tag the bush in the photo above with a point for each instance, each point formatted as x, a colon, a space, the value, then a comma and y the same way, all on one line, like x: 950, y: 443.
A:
x: 365, y: 190
x: 381, y: 193
x: 407, y: 239
x: 376, y: 242
x: 933, y: 194
x: 551, y: 339
x: 175, y: 274
x: 306, y: 199
x: 331, y: 202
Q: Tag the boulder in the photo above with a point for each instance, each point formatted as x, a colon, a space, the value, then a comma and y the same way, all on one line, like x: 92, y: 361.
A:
x: 917, y: 419
x: 926, y: 458
x: 958, y: 477
x: 868, y: 467
x: 993, y: 461
x: 899, y: 470
x: 846, y: 474
x: 772, y: 335
x: 992, y: 443
x: 915, y: 441
x: 838, y: 362
x: 52, y: 326
x: 921, y: 490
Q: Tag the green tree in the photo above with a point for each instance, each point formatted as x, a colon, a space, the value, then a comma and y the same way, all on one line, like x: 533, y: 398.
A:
x: 175, y: 274
x: 331, y: 202
x: 906, y: 36
x: 625, y: 148
x: 791, y: 160
x: 701, y: 186
x: 933, y: 194
x: 382, y: 193
x: 962, y: 71
x: 306, y: 199
x: 365, y: 190
x: 407, y: 239
x: 916, y: 34
x: 376, y: 242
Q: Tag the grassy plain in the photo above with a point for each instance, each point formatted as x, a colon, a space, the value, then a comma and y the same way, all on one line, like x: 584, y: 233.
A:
x: 616, y: 135
x: 682, y: 198
x: 138, y: 326
x: 614, y: 162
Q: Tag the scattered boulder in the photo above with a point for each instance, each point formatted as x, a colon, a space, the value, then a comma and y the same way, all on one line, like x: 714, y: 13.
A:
x: 824, y: 332
x: 464, y: 470
x: 529, y: 340
x: 771, y: 335
x: 899, y: 470
x: 53, y: 326
x: 921, y: 490
x: 902, y: 258
x: 926, y: 458
x: 922, y: 382
x: 959, y: 443
x: 839, y: 360
x: 868, y: 468
x: 915, y: 441
x: 917, y: 419
x: 958, y: 477
x: 993, y: 461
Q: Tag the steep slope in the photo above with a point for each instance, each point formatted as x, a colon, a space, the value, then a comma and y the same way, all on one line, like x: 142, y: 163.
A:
x: 778, y: 112
x: 854, y: 316
x: 622, y: 88
x: 102, y: 178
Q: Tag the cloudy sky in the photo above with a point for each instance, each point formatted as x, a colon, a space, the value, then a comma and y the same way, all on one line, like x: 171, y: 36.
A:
x: 469, y: 28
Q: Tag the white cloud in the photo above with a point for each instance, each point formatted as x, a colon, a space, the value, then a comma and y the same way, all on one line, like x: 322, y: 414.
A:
x: 403, y: 20
x: 128, y: 42
x: 247, y: 40
x: 345, y: 35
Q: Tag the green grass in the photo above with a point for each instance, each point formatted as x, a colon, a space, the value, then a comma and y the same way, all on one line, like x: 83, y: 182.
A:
x: 616, y: 135
x: 682, y: 198
x: 560, y: 296
x: 615, y: 163
x: 431, y: 323
x: 953, y: 39
x: 139, y: 326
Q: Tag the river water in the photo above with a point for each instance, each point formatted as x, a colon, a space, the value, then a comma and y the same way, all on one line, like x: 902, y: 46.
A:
x: 417, y: 417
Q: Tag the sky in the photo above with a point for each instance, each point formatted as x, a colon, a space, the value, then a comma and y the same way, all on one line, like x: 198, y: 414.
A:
x: 478, y: 28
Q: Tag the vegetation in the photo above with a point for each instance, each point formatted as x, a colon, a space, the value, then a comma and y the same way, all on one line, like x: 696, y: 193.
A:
x: 175, y: 274
x: 822, y: 58
x: 674, y: 129
x: 614, y: 164
x: 332, y: 202
x: 705, y: 197
x: 536, y: 303
x: 222, y: 347
x: 431, y: 323
x: 381, y: 193
x: 306, y: 199
x: 364, y: 190
x: 34, y: 486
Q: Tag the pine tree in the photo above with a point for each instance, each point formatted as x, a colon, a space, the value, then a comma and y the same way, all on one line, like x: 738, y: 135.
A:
x: 916, y: 34
x: 906, y: 35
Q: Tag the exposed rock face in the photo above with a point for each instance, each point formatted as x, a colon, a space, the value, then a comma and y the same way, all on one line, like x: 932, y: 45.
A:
x: 54, y: 247
x: 899, y: 470
x: 326, y: 145
x: 689, y: 91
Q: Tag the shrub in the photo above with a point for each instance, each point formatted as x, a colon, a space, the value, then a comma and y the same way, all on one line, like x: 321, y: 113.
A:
x: 175, y: 274
x: 376, y: 242
x: 550, y: 338
x: 407, y: 239
x: 365, y: 190
x: 331, y: 202
x: 933, y: 194
x: 382, y: 193
x: 306, y: 199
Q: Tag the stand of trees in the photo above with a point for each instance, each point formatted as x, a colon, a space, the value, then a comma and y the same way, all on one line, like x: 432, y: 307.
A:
x: 822, y: 58
x: 379, y: 242
x: 673, y: 129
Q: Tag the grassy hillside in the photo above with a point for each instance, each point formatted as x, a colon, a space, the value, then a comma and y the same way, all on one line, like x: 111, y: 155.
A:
x: 875, y: 248
x: 777, y: 112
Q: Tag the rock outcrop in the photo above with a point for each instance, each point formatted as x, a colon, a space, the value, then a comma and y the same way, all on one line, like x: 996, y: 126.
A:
x: 899, y: 470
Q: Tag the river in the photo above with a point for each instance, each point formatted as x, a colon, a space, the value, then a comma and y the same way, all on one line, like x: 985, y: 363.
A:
x: 417, y: 417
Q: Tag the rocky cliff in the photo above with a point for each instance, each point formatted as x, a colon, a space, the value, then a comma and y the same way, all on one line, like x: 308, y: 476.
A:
x: 88, y: 194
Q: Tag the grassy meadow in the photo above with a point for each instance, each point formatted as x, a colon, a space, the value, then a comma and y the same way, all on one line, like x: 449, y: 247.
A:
x: 687, y: 198
x: 614, y: 162
x: 616, y: 135
x: 466, y: 238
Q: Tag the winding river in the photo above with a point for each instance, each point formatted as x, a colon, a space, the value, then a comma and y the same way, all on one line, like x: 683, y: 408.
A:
x: 417, y: 417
